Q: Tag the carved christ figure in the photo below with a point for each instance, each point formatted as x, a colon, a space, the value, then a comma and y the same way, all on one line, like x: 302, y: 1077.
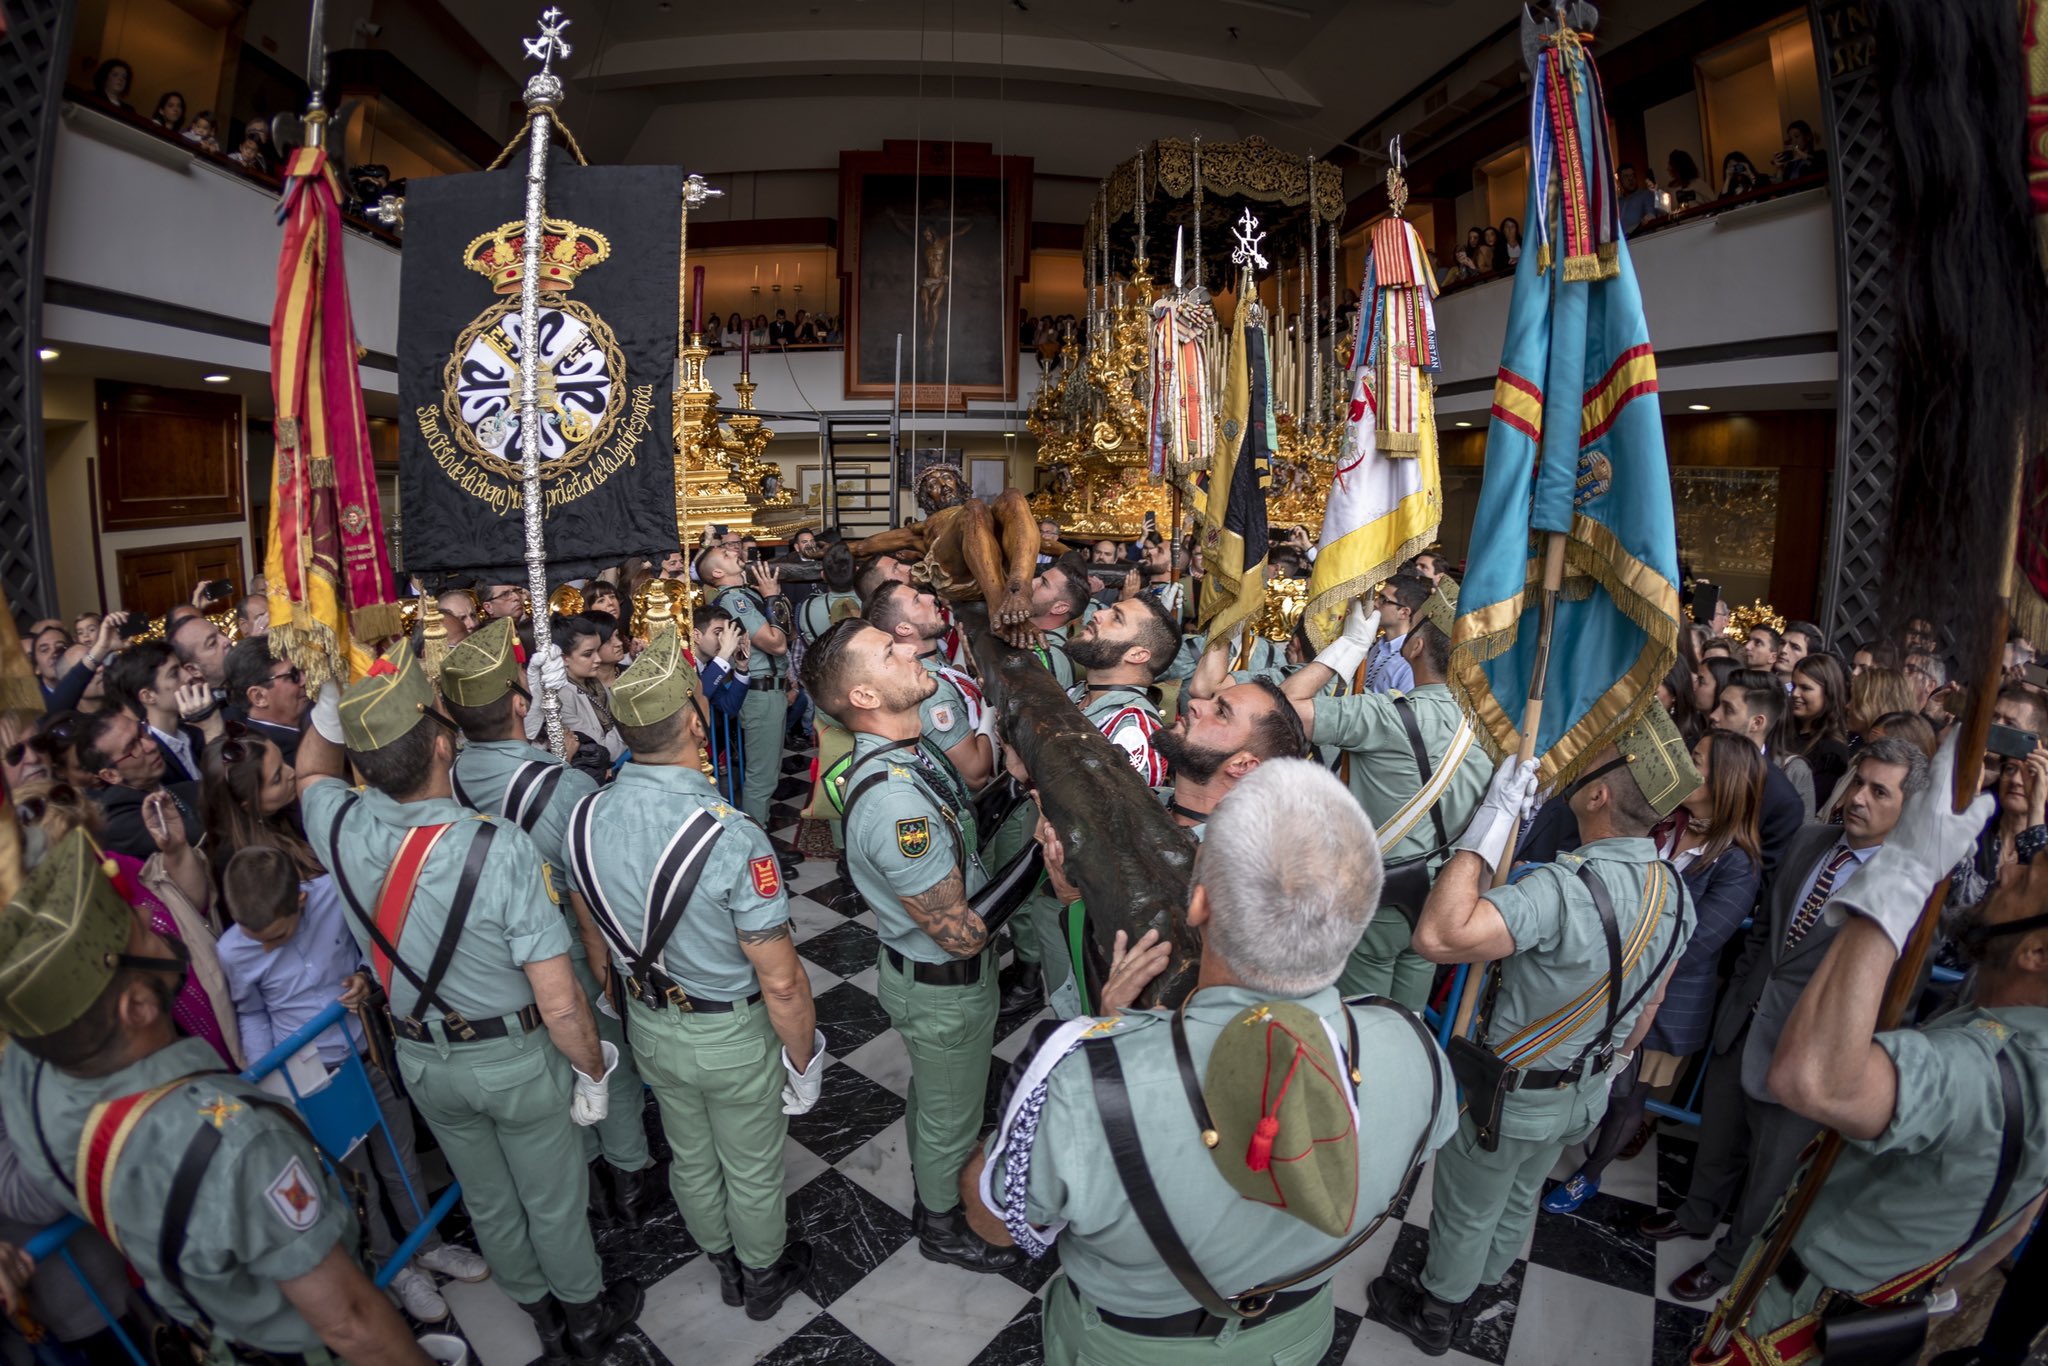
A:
x: 932, y: 286
x: 968, y: 550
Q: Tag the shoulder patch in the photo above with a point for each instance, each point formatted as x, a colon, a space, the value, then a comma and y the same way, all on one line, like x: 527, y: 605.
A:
x: 914, y: 837
x: 767, y: 875
x: 942, y: 716
x: 294, y: 1197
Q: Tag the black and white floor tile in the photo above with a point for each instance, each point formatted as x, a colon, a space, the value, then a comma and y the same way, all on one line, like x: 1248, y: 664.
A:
x: 1588, y: 1288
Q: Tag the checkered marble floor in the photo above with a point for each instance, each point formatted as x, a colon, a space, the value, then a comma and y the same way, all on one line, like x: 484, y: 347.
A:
x: 1587, y: 1289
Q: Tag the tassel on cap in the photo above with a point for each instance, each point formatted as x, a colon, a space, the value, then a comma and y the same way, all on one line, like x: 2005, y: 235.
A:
x: 1259, y: 1156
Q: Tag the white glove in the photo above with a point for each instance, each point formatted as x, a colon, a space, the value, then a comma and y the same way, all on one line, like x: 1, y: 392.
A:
x: 1929, y: 840
x: 592, y: 1102
x: 1343, y: 655
x: 1508, y: 801
x: 800, y: 1092
x: 545, y: 672
x: 605, y: 1007
x: 327, y: 715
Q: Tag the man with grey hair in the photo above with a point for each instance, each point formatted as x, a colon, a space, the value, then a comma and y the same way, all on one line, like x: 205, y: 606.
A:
x: 1581, y: 947
x: 1252, y: 1170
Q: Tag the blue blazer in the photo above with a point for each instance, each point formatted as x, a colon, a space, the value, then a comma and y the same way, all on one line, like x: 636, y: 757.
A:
x: 1723, y: 895
x: 722, y: 687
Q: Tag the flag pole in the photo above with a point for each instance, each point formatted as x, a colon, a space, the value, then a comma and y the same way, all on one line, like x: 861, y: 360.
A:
x: 543, y: 92
x: 1532, y: 721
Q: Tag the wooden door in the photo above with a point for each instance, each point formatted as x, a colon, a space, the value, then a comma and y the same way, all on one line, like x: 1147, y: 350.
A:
x: 154, y: 579
x: 168, y: 457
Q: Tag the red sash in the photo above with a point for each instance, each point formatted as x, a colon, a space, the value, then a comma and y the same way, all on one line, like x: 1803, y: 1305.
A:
x: 108, y: 1128
x: 394, y: 898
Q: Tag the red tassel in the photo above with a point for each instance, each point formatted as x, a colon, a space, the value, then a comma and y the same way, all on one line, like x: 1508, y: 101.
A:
x: 382, y: 668
x: 1260, y: 1155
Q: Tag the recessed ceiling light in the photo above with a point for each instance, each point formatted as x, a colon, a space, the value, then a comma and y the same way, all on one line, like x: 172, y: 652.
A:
x: 874, y: 433
x: 1699, y: 407
x: 47, y: 353
x: 1464, y: 424
x: 215, y: 379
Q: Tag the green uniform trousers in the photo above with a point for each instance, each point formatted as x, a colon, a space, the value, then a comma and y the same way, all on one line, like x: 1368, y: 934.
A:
x: 762, y: 718
x: 1045, y: 920
x: 1383, y: 964
x: 1009, y: 841
x: 500, y: 1110
x: 948, y: 1032
x: 718, y: 1079
x: 1483, y: 1203
x: 1075, y: 1335
x: 620, y: 1136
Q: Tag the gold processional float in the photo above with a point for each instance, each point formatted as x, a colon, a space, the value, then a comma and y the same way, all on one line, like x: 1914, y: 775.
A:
x: 1104, y: 470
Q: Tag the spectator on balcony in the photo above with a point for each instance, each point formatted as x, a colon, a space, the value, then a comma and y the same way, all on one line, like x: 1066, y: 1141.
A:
x: 170, y: 112
x: 832, y: 334
x: 249, y: 155
x: 1510, y: 251
x: 729, y: 336
x: 758, y: 333
x: 1467, y: 257
x: 781, y: 332
x: 1638, y: 201
x: 1739, y: 175
x: 1489, y: 247
x: 1683, y: 183
x: 806, y: 330
x: 111, y: 83
x: 201, y: 132
x: 1800, y: 157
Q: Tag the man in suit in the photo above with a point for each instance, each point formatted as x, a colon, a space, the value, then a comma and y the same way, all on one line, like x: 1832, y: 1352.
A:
x: 1742, y: 1124
x: 115, y: 747
x: 1750, y: 706
x: 270, y: 694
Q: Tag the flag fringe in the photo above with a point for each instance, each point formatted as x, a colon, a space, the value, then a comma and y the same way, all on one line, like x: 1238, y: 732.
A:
x: 376, y: 621
x: 320, y: 473
x: 2029, y: 612
x: 309, y: 644
x: 1323, y: 616
x: 1399, y: 443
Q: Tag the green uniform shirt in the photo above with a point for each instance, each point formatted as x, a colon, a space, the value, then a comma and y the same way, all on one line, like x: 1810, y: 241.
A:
x: 1367, y: 727
x: 266, y: 1211
x: 816, y: 616
x: 947, y: 720
x: 1561, y: 952
x: 906, y: 835
x: 513, y: 919
x: 1053, y: 654
x: 1904, y: 1198
x: 1129, y: 717
x: 749, y: 609
x: 482, y: 771
x: 741, y: 887
x: 1237, y: 1243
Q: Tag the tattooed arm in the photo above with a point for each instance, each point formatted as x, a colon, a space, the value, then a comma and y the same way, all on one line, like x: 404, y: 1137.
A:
x: 785, y: 989
x: 943, y: 913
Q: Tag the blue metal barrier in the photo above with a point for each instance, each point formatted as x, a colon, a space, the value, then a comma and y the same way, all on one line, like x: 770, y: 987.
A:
x: 55, y: 1241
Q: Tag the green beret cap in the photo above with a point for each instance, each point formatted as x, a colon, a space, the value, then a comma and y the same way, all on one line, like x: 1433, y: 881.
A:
x: 1440, y: 609
x: 384, y: 705
x: 59, y: 938
x: 1659, y: 760
x: 484, y: 666
x: 1285, y: 1132
x: 658, y: 685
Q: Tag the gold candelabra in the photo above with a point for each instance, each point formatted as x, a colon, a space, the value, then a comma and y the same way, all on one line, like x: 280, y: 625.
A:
x: 723, y: 477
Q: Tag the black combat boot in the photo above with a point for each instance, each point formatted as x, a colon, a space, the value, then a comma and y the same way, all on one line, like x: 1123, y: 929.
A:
x: 728, y: 1264
x: 630, y: 1195
x: 1427, y: 1321
x: 600, y: 1192
x: 546, y: 1313
x: 595, y: 1324
x: 946, y: 1238
x: 1024, y: 991
x: 767, y: 1289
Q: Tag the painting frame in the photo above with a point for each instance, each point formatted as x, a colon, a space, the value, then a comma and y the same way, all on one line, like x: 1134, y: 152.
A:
x: 885, y: 269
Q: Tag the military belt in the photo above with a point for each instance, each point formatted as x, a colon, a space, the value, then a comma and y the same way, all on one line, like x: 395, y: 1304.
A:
x: 659, y: 994
x: 258, y: 1356
x: 763, y: 684
x: 1200, y: 1323
x: 460, y: 1029
x: 960, y: 972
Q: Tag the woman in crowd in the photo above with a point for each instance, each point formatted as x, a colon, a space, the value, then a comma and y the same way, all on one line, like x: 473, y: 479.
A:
x: 806, y: 329
x: 1800, y: 157
x: 1738, y: 175
x: 611, y: 651
x: 1718, y: 853
x: 1876, y: 692
x: 601, y: 595
x: 1677, y: 694
x: 172, y: 890
x: 1511, y: 240
x: 170, y: 112
x: 585, y: 701
x: 2017, y: 831
x: 248, y: 797
x: 1683, y: 183
x: 1490, y: 253
x: 1467, y: 256
x: 729, y: 336
x: 1820, y: 717
x: 111, y: 83
x: 1874, y: 655
x: 758, y: 333
x: 1709, y: 679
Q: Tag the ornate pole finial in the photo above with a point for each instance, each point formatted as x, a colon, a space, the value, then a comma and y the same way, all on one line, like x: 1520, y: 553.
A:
x: 1397, y: 184
x: 544, y: 87
x: 1248, y: 237
x: 697, y: 191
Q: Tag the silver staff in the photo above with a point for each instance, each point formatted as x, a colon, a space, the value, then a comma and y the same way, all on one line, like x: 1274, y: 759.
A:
x: 543, y: 93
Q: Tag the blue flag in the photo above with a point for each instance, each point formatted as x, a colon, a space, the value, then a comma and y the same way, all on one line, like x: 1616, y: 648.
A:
x: 1575, y: 447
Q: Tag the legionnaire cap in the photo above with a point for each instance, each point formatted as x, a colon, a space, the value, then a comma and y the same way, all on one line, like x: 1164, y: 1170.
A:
x: 59, y: 939
x: 484, y: 666
x: 390, y: 699
x: 1659, y: 761
x: 1286, y: 1135
x: 1439, y: 609
x: 658, y: 685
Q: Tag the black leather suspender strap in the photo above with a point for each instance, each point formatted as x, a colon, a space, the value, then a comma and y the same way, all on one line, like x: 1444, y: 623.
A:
x: 1191, y: 1081
x: 1601, y: 1050
x: 676, y: 874
x: 1422, y: 765
x: 1603, y: 904
x: 528, y: 793
x: 170, y: 1240
x: 918, y: 772
x: 2012, y: 1142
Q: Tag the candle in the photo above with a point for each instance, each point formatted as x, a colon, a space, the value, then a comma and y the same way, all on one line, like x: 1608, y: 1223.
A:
x: 757, y: 274
x: 1176, y: 257
x: 799, y: 272
x: 697, y: 300
x: 746, y: 348
x: 778, y: 272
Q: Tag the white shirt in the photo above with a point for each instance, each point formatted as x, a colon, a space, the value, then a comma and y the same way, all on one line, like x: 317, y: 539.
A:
x: 1841, y: 878
x: 181, y: 746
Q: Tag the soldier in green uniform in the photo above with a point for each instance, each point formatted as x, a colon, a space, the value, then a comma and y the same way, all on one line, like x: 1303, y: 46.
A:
x: 1922, y: 1196
x: 1122, y: 650
x: 495, y: 1042
x: 1243, y: 1179
x: 835, y: 602
x: 911, y: 615
x: 1059, y: 594
x: 186, y: 1159
x: 912, y: 848
x: 688, y: 899
x: 744, y: 590
x: 1583, y: 947
x: 1415, y: 801
x: 488, y: 693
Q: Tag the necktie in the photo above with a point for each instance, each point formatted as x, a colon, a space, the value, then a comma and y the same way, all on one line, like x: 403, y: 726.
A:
x: 1809, y: 909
